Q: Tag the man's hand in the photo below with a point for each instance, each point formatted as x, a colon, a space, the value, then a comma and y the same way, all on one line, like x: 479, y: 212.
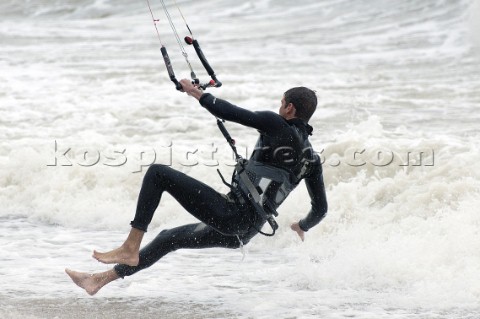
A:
x: 300, y: 232
x: 191, y: 89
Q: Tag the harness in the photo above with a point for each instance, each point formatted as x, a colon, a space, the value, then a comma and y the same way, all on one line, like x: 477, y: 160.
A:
x: 243, y: 187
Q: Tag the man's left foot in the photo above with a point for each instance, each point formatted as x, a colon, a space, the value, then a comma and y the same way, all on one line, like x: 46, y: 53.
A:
x: 121, y: 255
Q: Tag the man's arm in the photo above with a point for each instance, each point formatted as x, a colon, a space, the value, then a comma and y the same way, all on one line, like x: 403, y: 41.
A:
x: 316, y: 190
x: 264, y: 121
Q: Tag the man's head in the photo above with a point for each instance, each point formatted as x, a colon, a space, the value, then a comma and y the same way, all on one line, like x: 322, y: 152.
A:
x: 299, y: 102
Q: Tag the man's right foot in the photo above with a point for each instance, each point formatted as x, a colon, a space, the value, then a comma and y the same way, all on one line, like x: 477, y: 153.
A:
x: 89, y: 282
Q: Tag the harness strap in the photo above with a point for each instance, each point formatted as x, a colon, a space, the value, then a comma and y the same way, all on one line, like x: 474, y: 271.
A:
x: 253, y: 196
x: 252, y: 190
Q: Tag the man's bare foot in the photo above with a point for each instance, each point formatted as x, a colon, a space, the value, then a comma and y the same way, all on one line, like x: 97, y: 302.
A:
x: 127, y: 254
x: 90, y: 282
x: 122, y: 255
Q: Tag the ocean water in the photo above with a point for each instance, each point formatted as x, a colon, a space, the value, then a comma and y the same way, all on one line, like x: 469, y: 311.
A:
x: 86, y: 106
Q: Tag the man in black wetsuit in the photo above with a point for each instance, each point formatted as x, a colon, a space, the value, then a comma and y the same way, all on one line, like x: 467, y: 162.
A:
x: 282, y: 157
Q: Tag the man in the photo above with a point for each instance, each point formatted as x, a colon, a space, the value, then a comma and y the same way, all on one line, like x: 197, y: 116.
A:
x: 282, y: 157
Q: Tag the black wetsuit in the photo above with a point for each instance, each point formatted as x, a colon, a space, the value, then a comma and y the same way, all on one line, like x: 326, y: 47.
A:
x: 227, y: 221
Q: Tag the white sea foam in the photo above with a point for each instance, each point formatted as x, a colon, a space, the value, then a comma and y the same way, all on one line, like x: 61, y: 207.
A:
x: 474, y: 22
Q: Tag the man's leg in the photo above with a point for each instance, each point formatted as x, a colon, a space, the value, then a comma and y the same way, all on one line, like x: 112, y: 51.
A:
x: 192, y: 236
x: 92, y: 283
x: 197, y: 198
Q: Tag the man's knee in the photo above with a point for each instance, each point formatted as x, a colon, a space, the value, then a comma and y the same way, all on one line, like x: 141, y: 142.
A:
x: 156, y: 168
x: 158, y: 172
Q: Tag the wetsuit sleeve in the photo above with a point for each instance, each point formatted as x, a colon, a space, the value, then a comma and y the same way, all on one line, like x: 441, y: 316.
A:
x: 264, y: 121
x: 316, y: 190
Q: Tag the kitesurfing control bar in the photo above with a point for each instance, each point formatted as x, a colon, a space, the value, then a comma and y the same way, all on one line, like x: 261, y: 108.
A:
x: 168, y: 64
x: 214, y: 82
x: 204, y: 61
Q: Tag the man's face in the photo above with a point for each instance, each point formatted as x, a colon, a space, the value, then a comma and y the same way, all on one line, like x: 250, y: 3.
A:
x: 286, y: 111
x: 283, y: 108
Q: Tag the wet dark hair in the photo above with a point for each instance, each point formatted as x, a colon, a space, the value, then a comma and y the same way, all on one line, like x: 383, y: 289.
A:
x: 304, y: 100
